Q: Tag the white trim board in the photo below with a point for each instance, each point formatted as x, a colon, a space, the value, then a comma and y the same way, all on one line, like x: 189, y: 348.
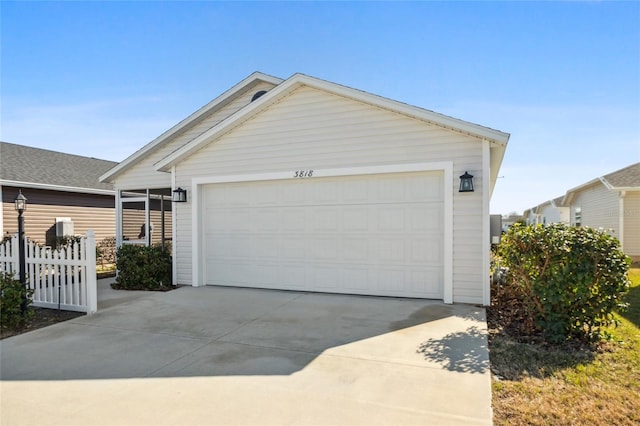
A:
x: 445, y: 167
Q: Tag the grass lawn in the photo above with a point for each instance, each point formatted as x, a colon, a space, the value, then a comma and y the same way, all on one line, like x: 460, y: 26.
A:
x: 572, y: 385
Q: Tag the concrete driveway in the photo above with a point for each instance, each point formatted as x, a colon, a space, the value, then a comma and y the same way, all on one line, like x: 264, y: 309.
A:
x: 222, y: 356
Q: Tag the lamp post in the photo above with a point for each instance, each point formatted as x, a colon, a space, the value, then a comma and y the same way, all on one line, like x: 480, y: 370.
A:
x: 21, y: 206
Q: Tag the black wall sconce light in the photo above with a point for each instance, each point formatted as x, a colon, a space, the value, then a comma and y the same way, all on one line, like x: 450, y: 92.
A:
x: 179, y: 195
x: 466, y: 182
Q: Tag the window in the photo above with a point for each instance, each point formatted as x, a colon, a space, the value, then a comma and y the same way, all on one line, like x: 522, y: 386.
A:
x: 577, y: 216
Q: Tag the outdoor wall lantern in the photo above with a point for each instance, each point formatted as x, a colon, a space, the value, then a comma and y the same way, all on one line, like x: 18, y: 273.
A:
x: 466, y: 182
x: 21, y: 206
x: 179, y: 195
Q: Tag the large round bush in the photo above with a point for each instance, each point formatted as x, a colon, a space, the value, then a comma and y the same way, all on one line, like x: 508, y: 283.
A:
x: 568, y: 280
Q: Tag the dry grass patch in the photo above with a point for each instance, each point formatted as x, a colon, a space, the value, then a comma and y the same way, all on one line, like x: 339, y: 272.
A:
x: 536, y: 384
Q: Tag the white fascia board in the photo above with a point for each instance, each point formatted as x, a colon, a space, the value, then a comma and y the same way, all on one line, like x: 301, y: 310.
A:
x: 217, y: 102
x: 497, y: 138
x: 60, y: 188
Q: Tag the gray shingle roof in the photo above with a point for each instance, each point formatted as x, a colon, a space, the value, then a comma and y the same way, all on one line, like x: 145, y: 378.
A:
x: 627, y: 177
x: 34, y: 165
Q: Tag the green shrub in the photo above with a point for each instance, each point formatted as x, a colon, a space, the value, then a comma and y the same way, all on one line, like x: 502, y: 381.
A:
x: 12, y: 293
x: 563, y: 281
x: 65, y: 241
x: 142, y: 268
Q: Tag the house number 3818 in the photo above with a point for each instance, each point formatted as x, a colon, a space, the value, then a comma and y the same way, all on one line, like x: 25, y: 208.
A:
x: 302, y: 173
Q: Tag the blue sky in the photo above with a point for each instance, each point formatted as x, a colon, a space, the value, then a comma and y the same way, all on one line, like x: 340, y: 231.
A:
x: 102, y: 79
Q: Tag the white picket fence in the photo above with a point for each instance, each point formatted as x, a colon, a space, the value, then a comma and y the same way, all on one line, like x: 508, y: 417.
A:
x: 60, y: 279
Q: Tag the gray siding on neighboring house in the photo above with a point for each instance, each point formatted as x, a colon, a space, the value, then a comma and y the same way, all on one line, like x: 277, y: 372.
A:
x: 600, y: 208
x: 632, y: 225
x: 87, y: 211
x: 312, y: 129
x: 143, y: 175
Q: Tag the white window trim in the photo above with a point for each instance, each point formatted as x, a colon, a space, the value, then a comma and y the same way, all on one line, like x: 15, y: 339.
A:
x: 446, y: 167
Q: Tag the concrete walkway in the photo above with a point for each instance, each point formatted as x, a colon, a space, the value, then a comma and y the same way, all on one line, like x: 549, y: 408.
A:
x: 226, y: 356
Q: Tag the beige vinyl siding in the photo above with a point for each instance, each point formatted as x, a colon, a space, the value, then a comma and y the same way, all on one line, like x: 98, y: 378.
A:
x: 600, y: 208
x: 87, y: 211
x: 632, y: 224
x: 144, y: 175
x: 311, y: 129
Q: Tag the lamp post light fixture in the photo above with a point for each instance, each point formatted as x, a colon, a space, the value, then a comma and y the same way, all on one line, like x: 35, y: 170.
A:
x: 21, y: 206
x: 466, y: 182
x: 179, y: 195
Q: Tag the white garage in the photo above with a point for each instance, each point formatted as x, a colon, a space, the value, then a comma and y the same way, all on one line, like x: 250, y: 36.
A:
x: 379, y: 234
x: 303, y: 184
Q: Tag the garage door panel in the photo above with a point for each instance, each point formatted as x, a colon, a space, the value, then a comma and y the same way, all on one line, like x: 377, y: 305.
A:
x: 325, y: 219
x: 428, y: 217
x: 422, y: 188
x: 390, y: 190
x: 355, y: 219
x: 293, y: 275
x: 355, y: 279
x: 391, y: 279
x: 294, y: 219
x: 425, y: 281
x: 325, y: 192
x: 293, y: 247
x: 426, y: 251
x: 355, y: 249
x: 326, y: 247
x: 390, y: 250
x: 355, y: 190
x: 293, y: 193
x: 378, y: 235
x: 323, y: 276
x: 267, y: 219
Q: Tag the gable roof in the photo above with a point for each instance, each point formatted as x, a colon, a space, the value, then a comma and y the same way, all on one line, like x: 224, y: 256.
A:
x: 218, y: 103
x: 31, y: 167
x: 497, y: 139
x: 625, y: 178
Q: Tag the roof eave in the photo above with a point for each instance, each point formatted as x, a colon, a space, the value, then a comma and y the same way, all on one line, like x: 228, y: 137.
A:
x: 61, y: 188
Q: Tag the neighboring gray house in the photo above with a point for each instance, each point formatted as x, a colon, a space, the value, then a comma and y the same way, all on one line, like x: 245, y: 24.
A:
x: 304, y: 184
x: 611, y: 202
x: 551, y: 211
x: 57, y: 186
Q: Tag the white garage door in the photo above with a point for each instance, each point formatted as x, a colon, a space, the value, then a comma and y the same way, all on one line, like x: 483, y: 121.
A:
x: 368, y: 234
